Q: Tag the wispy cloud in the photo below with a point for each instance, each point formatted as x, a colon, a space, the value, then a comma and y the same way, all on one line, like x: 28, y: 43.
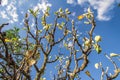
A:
x: 81, y: 1
x: 42, y: 6
x: 70, y: 1
x: 3, y: 14
x: 73, y: 14
x: 9, y: 11
x: 4, y: 2
x: 103, y: 7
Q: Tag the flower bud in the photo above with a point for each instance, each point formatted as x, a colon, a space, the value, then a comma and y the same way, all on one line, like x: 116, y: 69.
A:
x: 97, y: 65
x: 113, y: 55
x: 97, y: 38
x: 60, y: 10
x: 87, y: 43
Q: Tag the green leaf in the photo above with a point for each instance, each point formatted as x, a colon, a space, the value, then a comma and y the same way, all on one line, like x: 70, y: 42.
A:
x: 98, y: 49
x: 48, y: 8
x: 87, y: 73
x: 114, y: 55
x: 65, y: 45
x: 12, y: 33
x: 1, y: 70
x: 62, y: 24
x: 67, y: 11
x: 60, y: 10
x: 43, y: 18
x: 37, y: 56
x: 60, y: 27
x: 31, y: 11
x: 86, y: 22
x: 56, y: 13
x: 40, y: 31
x: 88, y: 16
x: 34, y: 13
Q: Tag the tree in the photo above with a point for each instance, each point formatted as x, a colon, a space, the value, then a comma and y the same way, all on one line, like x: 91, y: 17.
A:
x: 20, y: 54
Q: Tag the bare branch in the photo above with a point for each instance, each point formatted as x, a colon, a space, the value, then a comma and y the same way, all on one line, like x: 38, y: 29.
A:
x: 53, y: 60
x: 1, y: 26
x: 115, y: 65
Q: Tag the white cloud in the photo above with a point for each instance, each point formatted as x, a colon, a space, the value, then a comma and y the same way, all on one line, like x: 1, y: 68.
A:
x: 70, y: 1
x: 22, y: 12
x: 73, y: 14
x: 20, y: 2
x: 12, y: 12
x: 9, y: 13
x: 81, y: 1
x: 42, y: 5
x: 103, y: 7
x: 3, y: 15
x: 10, y: 9
x: 4, y: 2
x: 32, y: 26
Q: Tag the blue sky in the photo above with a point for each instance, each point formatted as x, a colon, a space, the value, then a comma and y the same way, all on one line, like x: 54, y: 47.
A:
x: 107, y: 16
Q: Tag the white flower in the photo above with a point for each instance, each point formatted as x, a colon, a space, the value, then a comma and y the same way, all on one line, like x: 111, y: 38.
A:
x: 70, y: 44
x: 44, y: 78
x: 87, y: 42
x: 113, y: 54
x: 67, y: 62
x: 19, y: 39
x: 35, y: 8
x: 97, y: 38
x: 97, y: 65
x: 66, y: 10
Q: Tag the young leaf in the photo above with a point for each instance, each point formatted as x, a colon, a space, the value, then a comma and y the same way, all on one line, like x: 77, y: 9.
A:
x: 88, y: 73
x: 86, y: 22
x: 89, y: 10
x: 37, y: 56
x: 80, y: 17
x: 48, y: 8
x: 31, y: 11
x: 113, y: 55
x: 60, y: 10
x: 7, y: 40
x: 46, y: 27
x: 98, y: 49
x: 31, y: 62
x: 87, y: 43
